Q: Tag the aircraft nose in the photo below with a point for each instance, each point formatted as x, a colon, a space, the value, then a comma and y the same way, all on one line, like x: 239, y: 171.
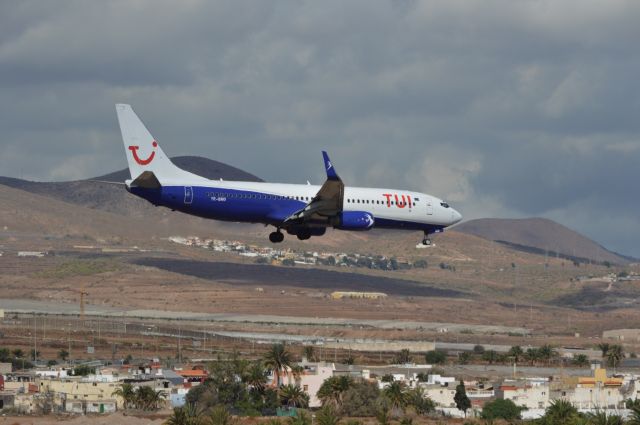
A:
x: 455, y: 216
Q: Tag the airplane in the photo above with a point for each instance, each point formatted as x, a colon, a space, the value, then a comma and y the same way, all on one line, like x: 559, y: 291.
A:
x: 299, y: 209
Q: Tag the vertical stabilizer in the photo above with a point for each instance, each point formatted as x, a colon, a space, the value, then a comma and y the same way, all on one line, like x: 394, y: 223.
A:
x: 142, y: 150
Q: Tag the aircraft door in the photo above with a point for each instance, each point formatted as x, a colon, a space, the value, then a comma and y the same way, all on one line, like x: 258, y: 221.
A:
x: 429, y: 208
x: 188, y: 195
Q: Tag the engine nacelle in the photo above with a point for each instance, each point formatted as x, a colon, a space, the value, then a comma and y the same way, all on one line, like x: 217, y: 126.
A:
x: 354, y: 220
x: 311, y: 231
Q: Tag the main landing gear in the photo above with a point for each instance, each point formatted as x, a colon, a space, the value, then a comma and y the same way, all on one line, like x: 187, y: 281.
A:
x: 276, y: 237
x: 425, y: 240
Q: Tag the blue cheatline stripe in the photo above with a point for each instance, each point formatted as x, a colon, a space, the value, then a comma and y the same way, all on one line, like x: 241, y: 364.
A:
x: 246, y: 206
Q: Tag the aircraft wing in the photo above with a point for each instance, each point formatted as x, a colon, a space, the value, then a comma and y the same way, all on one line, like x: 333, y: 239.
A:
x: 327, y: 202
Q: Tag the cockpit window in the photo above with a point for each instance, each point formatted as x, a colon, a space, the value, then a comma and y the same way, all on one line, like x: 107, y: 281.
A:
x: 444, y: 204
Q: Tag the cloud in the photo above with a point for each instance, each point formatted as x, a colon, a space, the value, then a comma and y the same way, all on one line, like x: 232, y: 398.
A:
x: 504, y: 108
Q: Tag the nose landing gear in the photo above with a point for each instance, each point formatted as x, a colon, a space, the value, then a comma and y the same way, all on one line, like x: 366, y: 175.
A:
x: 426, y: 242
x: 276, y: 237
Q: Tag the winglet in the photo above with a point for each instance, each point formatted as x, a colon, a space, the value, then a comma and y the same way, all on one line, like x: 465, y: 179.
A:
x: 328, y: 166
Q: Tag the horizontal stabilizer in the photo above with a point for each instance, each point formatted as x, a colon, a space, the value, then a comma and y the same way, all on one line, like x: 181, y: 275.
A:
x: 146, y: 180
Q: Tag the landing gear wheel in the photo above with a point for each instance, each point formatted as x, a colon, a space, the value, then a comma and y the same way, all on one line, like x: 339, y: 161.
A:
x: 425, y: 240
x: 276, y: 237
x: 303, y: 236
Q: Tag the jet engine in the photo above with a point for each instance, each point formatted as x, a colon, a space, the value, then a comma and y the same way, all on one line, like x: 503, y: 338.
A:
x: 354, y: 220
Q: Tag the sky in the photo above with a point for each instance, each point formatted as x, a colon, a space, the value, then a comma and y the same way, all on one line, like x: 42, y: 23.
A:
x: 511, y: 108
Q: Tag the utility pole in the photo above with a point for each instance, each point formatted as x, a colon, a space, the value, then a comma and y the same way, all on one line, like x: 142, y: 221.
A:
x: 35, y: 337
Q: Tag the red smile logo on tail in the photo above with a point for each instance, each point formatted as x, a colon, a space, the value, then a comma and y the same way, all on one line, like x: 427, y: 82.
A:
x: 134, y: 151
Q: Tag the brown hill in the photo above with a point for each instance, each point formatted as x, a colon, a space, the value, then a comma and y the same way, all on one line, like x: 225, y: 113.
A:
x: 540, y: 235
x: 532, y: 235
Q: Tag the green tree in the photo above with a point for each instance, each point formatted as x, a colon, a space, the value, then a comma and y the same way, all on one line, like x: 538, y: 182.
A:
x: 383, y: 413
x: 561, y: 412
x: 146, y: 398
x: 255, y: 376
x: 63, y: 354
x: 516, y: 352
x: 127, y: 393
x: 301, y: 418
x: 349, y: 360
x: 387, y: 377
x: 417, y: 399
x: 4, y: 355
x: 490, y: 356
x: 403, y: 357
x: 361, y: 399
x: 435, y: 357
x: 464, y: 358
x: 462, y: 401
x: 220, y: 415
x: 615, y: 355
x: 604, y: 348
x: 634, y: 418
x: 185, y: 415
x: 17, y: 353
x: 532, y: 355
x: 602, y: 418
x: 548, y: 353
x: 478, y: 349
x: 501, y: 409
x: 278, y: 359
x: 332, y: 390
x: 327, y: 415
x: 309, y: 352
x: 581, y: 360
x: 396, y: 393
x: 293, y: 396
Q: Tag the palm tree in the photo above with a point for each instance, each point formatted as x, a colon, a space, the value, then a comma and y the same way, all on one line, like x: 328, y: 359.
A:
x: 297, y: 371
x: 604, y: 347
x: 397, y: 395
x: 309, y: 352
x: 301, y: 418
x: 383, y: 415
x: 147, y: 398
x: 615, y: 354
x: 561, y: 412
x: 127, y: 393
x: 63, y: 354
x: 403, y: 357
x: 516, y: 352
x: 220, y: 416
x: 328, y: 415
x: 278, y: 359
x: 18, y: 353
x: 293, y: 396
x: 581, y: 360
x: 601, y: 418
x: 256, y: 377
x: 332, y: 390
x: 419, y: 401
x: 634, y: 419
x: 185, y: 415
x: 547, y: 352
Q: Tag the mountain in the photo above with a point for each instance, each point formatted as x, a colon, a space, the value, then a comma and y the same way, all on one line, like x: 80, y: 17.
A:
x: 540, y: 235
x: 114, y: 198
